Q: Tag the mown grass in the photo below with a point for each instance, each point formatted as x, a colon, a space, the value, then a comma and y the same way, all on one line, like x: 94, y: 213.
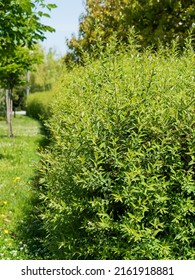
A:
x: 18, y: 160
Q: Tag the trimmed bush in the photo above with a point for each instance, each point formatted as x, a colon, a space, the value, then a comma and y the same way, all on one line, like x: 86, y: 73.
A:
x: 38, y: 105
x: 118, y: 179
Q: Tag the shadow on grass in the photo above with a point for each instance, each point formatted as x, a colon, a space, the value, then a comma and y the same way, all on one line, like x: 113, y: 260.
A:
x: 30, y: 230
x: 9, y: 157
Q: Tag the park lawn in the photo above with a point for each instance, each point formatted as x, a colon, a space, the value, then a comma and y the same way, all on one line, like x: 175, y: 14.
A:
x: 18, y: 160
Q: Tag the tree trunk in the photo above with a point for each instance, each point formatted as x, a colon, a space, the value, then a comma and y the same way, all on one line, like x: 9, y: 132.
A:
x: 6, y: 99
x: 9, y: 112
x: 28, y: 82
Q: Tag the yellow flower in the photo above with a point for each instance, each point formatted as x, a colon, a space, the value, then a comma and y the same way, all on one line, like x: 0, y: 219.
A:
x: 5, y: 202
x: 16, y: 179
x: 6, y: 231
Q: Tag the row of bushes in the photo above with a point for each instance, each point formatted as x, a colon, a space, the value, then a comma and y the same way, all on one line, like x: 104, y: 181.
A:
x: 117, y: 181
x: 38, y: 105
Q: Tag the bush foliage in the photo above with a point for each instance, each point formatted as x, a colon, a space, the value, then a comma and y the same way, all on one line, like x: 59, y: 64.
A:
x: 38, y: 105
x: 117, y: 181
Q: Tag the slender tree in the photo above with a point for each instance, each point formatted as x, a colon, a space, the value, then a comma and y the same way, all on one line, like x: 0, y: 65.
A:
x: 20, y: 30
x: 12, y: 69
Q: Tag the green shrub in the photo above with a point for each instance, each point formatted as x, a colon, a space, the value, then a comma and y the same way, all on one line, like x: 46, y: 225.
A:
x: 118, y: 179
x: 38, y: 105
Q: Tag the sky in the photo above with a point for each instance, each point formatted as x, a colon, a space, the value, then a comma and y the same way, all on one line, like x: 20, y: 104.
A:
x: 65, y: 20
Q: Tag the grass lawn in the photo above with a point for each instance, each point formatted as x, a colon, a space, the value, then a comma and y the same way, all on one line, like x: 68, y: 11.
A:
x: 18, y: 160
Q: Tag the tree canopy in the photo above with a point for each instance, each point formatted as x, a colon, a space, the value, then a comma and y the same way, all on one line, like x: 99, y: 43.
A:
x: 46, y: 72
x: 154, y: 21
x: 20, y: 23
x: 20, y: 30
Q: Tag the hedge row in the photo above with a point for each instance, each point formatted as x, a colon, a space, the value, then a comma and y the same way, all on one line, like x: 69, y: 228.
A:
x: 39, y: 105
x: 118, y: 179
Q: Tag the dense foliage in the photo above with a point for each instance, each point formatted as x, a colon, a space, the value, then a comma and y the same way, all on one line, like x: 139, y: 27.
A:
x: 155, y: 21
x: 20, y: 23
x: 38, y: 105
x: 117, y: 181
x: 14, y: 65
x: 44, y: 85
x: 20, y: 30
x: 47, y: 72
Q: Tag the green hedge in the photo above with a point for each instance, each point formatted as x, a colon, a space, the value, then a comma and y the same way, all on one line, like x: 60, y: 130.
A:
x: 39, y: 105
x: 118, y: 179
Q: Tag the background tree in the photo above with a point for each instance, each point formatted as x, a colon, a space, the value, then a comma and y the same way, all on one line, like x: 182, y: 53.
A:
x: 20, y: 29
x: 46, y: 72
x: 12, y: 69
x: 20, y: 23
x: 162, y: 21
x: 97, y: 25
x: 154, y: 21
